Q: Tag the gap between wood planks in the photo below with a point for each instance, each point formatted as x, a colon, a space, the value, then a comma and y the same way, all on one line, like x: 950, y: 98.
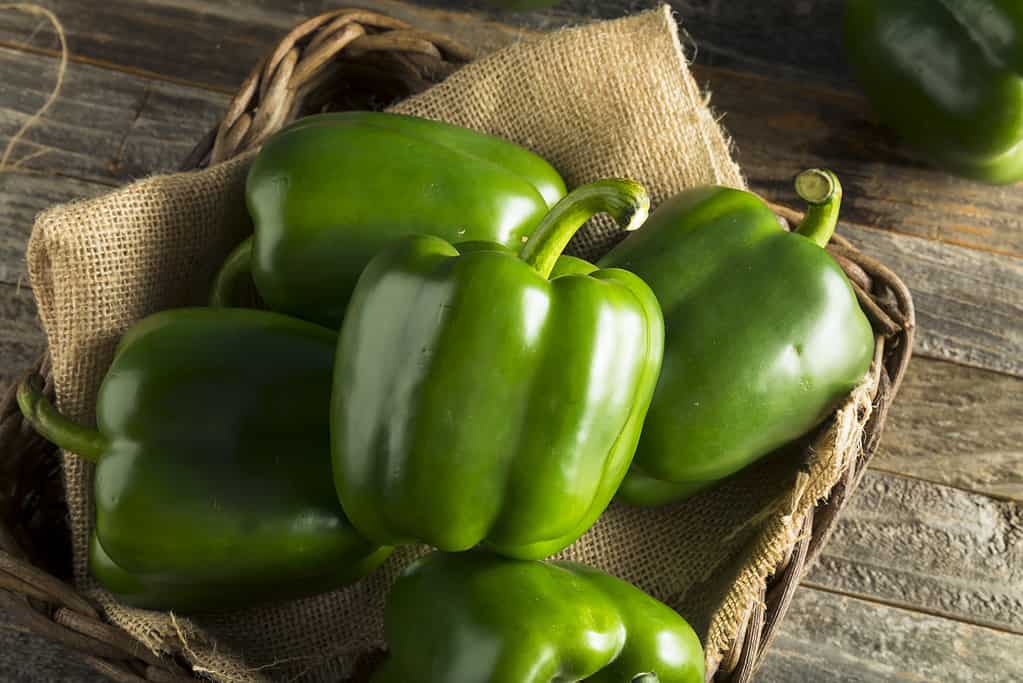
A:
x: 114, y: 66
x: 911, y: 609
x: 57, y: 173
x: 881, y: 469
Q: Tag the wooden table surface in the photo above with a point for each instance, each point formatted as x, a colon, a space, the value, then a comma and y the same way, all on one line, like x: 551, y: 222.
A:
x: 923, y: 580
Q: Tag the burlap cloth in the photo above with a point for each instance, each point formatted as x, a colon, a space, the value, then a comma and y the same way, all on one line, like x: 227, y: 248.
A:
x: 606, y: 99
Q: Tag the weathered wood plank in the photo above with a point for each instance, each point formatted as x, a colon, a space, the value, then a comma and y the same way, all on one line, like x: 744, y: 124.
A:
x: 829, y: 638
x: 957, y: 425
x: 220, y: 41
x: 21, y: 337
x: 931, y: 548
x: 28, y: 658
x: 107, y: 126
x: 969, y: 304
x: 22, y: 197
x: 780, y: 126
x: 791, y: 40
x: 796, y: 41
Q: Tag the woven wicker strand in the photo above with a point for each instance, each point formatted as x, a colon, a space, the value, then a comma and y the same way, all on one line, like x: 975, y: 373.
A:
x: 308, y: 57
x: 357, y: 59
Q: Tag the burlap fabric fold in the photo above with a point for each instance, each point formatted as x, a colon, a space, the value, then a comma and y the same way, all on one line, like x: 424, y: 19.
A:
x: 606, y: 99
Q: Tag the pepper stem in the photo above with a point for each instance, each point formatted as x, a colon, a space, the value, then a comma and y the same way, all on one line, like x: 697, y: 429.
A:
x: 650, y: 677
x: 56, y: 428
x: 233, y: 274
x: 822, y: 192
x: 625, y: 200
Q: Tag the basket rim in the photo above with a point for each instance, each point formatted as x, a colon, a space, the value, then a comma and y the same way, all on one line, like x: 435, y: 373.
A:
x: 304, y: 60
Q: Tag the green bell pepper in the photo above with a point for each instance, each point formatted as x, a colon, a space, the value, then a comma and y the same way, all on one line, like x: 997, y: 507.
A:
x: 477, y: 400
x: 212, y: 486
x: 185, y: 596
x: 763, y: 332
x: 947, y: 75
x: 477, y: 618
x: 328, y: 192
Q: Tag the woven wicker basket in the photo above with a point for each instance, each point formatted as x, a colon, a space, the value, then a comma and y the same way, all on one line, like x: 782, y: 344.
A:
x: 355, y: 59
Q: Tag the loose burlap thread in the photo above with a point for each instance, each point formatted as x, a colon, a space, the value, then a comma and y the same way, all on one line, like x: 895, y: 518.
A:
x: 606, y: 99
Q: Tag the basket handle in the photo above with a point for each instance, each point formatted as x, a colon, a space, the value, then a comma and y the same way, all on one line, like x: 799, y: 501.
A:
x: 339, y: 45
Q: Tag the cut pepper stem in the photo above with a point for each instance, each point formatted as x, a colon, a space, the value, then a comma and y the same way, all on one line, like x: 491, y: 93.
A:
x: 56, y: 428
x: 625, y: 200
x: 822, y: 192
x: 232, y: 276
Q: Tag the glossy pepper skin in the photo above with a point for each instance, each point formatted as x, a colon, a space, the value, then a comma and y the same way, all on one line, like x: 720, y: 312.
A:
x: 477, y: 400
x: 330, y: 191
x: 763, y: 333
x: 478, y: 618
x: 212, y: 485
x: 947, y: 75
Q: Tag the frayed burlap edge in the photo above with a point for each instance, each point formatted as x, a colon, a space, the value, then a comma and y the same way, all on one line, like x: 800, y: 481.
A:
x: 51, y: 248
x: 831, y: 454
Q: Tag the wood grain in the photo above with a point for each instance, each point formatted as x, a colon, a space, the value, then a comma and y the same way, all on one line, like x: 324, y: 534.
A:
x: 795, y: 41
x: 969, y: 304
x: 957, y: 425
x: 220, y: 40
x: 780, y: 126
x: 21, y: 337
x: 107, y: 126
x: 931, y: 548
x: 828, y: 638
x: 22, y: 197
x: 38, y: 660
